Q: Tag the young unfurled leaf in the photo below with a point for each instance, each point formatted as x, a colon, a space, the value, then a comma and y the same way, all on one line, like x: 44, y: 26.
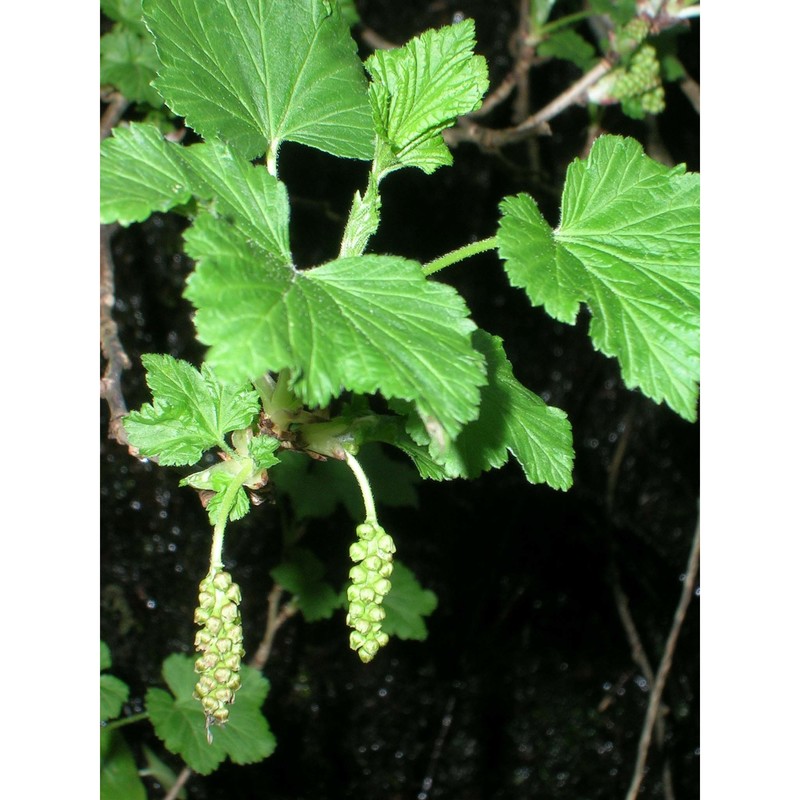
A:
x: 368, y: 324
x: 301, y: 574
x: 191, y: 411
x: 256, y: 73
x: 407, y: 605
x: 180, y: 723
x: 628, y: 247
x: 512, y: 420
x: 262, y: 450
x: 420, y: 89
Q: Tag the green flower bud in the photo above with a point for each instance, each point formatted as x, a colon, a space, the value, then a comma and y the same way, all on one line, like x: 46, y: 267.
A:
x: 369, y: 585
x: 219, y: 642
x: 358, y: 552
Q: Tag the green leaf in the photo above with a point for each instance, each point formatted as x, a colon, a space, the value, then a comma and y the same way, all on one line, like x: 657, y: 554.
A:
x: 349, y: 12
x: 364, y: 324
x: 300, y: 573
x: 113, y: 694
x: 140, y: 172
x: 540, y: 10
x: 256, y: 73
x: 113, y: 691
x: 105, y: 656
x: 568, y: 46
x: 255, y: 201
x: 128, y: 12
x: 218, y: 478
x: 512, y: 420
x: 128, y: 61
x: 316, y: 488
x: 406, y: 605
x: 420, y: 89
x: 179, y: 721
x: 262, y: 449
x: 191, y: 411
x: 119, y: 776
x: 628, y: 247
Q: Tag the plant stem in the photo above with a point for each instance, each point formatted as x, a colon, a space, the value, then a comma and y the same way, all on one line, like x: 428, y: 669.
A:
x: 459, y: 255
x: 121, y: 723
x: 549, y: 27
x: 657, y: 688
x: 228, y: 500
x: 363, y: 484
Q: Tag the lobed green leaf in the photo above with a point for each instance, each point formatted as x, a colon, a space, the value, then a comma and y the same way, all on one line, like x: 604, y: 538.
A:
x: 179, y: 721
x: 128, y: 61
x: 628, y: 247
x: 420, y: 89
x: 512, y: 420
x: 140, y: 172
x: 301, y: 573
x: 407, y: 605
x: 364, y: 324
x: 191, y: 411
x: 256, y: 73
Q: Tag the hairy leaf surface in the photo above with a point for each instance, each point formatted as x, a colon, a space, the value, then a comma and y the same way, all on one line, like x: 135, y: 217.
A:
x: 512, y: 420
x: 256, y: 73
x: 364, y: 324
x: 191, y: 411
x: 140, y: 172
x: 420, y: 89
x: 628, y: 247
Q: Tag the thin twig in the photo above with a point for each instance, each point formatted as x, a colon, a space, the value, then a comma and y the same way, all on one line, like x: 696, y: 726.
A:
x: 664, y: 667
x: 535, y: 124
x: 110, y: 344
x: 640, y: 658
x: 525, y: 57
x: 117, y: 104
x: 275, y: 618
x: 691, y: 88
x: 438, y: 745
x: 180, y: 782
x: 374, y: 40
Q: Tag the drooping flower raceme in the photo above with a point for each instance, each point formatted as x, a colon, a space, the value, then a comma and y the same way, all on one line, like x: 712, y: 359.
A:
x: 370, y: 583
x: 220, y: 643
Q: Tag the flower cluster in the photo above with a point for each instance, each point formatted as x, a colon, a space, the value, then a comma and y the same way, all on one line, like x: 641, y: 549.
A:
x: 639, y: 87
x: 220, y: 643
x: 369, y: 585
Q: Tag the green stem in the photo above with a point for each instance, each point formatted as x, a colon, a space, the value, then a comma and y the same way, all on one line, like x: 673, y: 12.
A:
x: 228, y: 499
x: 363, y: 484
x: 549, y: 27
x: 459, y: 255
x: 121, y: 723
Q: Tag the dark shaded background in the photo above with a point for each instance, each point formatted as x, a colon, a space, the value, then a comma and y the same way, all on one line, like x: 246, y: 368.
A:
x: 525, y: 687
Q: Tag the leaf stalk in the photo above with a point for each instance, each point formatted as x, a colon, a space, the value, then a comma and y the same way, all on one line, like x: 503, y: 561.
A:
x: 460, y: 254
